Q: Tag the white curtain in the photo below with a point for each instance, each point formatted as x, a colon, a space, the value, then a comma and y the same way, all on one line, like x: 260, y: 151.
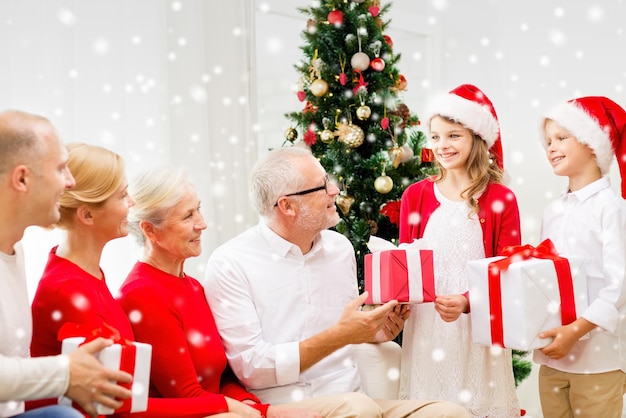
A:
x: 157, y: 82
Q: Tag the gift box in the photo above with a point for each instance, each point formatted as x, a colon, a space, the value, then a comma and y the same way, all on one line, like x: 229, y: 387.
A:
x: 131, y: 357
x: 529, y: 290
x: 404, y: 273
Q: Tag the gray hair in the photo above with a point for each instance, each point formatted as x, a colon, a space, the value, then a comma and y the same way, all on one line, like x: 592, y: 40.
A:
x: 155, y: 191
x: 275, y: 175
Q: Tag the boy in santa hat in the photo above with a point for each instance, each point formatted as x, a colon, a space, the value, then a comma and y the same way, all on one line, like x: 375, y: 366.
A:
x: 587, y: 377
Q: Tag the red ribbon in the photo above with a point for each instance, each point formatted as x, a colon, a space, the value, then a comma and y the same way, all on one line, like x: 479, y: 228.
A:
x: 128, y: 352
x: 517, y: 253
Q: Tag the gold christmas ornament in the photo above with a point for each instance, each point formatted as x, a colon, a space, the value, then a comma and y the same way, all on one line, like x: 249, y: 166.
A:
x: 344, y: 202
x: 319, y: 87
x: 395, y: 155
x: 291, y: 134
x: 350, y: 134
x: 327, y: 136
x: 383, y: 184
x: 360, y: 61
x: 363, y: 112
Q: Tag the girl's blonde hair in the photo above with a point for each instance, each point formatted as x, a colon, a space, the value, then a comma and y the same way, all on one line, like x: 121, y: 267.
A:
x: 98, y: 172
x: 481, y: 167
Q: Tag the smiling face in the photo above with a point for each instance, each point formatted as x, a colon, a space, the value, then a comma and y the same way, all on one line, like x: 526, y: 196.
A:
x: 112, y: 216
x: 317, y: 210
x: 50, y: 178
x: 179, y: 233
x: 567, y: 156
x: 451, y: 143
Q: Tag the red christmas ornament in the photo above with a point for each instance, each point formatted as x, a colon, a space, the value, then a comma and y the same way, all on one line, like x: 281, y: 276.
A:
x: 310, y: 138
x: 384, y: 122
x: 392, y: 211
x: 335, y: 17
x: 301, y: 95
x: 377, y: 64
x: 360, y: 85
x: 374, y: 10
x: 427, y: 155
x: 309, y: 108
x: 388, y: 40
x: 343, y: 79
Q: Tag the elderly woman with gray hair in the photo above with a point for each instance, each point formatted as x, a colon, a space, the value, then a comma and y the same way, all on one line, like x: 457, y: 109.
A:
x: 168, y: 309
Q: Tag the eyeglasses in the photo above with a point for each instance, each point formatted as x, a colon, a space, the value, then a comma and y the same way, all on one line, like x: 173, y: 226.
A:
x: 313, y: 190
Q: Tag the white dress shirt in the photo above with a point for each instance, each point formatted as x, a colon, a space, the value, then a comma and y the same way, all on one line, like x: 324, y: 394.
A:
x: 267, y: 296
x: 591, y: 222
x: 21, y: 377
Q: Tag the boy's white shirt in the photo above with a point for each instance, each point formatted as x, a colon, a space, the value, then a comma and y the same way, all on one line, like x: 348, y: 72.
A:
x: 592, y: 222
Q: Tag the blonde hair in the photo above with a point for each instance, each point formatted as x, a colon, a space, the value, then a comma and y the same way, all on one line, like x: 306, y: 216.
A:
x: 156, y: 191
x: 98, y: 172
x: 481, y: 167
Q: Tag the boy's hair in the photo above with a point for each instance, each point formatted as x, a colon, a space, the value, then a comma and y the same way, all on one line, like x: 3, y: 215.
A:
x: 597, y: 122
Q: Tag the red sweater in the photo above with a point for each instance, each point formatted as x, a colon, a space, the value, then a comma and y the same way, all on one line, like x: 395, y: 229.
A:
x: 66, y: 293
x: 498, y: 215
x: 188, y: 359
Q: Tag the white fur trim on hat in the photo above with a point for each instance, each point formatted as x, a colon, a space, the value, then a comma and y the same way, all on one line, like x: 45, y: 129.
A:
x: 470, y: 114
x: 585, y: 128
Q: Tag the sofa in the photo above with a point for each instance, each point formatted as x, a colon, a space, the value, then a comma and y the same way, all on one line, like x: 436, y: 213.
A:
x: 379, y: 367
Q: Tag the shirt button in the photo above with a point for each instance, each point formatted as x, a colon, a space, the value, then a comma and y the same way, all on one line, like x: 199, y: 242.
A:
x: 482, y: 220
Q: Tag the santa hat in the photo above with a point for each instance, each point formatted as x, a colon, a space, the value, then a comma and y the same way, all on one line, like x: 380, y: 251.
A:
x: 598, y: 122
x: 469, y: 106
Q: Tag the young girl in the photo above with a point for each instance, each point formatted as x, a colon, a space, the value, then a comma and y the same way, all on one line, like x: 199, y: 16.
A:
x: 464, y: 213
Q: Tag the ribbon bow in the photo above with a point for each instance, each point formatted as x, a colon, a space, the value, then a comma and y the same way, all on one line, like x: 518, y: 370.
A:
x: 72, y: 329
x: 515, y: 253
x: 128, y: 352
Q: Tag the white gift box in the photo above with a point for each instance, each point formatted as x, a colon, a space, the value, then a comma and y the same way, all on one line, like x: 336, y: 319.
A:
x: 111, y: 358
x: 530, y: 300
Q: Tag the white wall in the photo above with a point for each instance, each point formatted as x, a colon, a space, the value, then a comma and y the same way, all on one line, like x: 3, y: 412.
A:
x: 156, y: 81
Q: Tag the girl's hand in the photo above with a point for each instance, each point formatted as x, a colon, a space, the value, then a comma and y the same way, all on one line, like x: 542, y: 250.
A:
x: 450, y: 307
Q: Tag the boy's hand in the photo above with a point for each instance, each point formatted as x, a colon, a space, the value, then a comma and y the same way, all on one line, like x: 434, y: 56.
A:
x: 565, y: 337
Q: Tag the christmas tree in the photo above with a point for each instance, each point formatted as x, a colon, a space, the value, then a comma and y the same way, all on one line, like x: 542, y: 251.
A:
x: 356, y: 124
x: 353, y: 117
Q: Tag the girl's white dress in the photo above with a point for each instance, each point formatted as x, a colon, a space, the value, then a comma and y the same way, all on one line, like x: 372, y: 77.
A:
x: 439, y: 359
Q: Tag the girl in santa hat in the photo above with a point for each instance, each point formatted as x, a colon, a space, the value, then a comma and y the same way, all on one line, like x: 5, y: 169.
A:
x: 587, y: 377
x: 464, y: 212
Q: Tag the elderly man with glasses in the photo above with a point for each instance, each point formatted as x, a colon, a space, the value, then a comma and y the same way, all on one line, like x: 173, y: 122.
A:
x: 285, y: 299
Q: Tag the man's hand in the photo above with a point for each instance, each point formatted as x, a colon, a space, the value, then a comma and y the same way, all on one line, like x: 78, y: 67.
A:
x: 450, y: 307
x: 91, y: 382
x: 565, y: 337
x: 275, y: 411
x: 366, y: 326
x: 355, y: 326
